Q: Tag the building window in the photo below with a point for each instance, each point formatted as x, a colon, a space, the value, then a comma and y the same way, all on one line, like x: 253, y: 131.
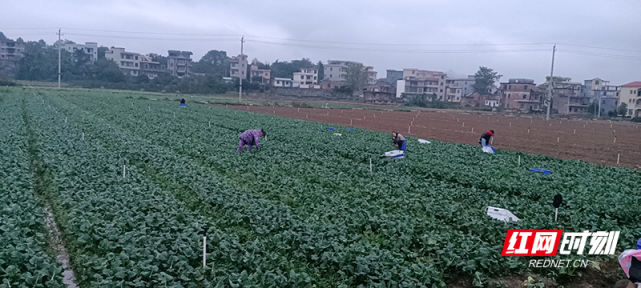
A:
x: 596, y: 82
x: 524, y: 96
x: 441, y: 90
x: 629, y: 111
x: 508, y: 96
x: 617, y: 93
x: 509, y: 86
x: 331, y: 69
x: 525, y: 87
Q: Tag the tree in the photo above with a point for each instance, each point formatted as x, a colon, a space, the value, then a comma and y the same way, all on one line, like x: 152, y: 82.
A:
x: 356, y: 78
x: 214, y: 62
x: 591, y: 108
x: 158, y: 58
x: 558, y: 79
x: 286, y: 69
x: 623, y: 109
x: 101, y: 52
x: 321, y: 71
x: 484, y: 80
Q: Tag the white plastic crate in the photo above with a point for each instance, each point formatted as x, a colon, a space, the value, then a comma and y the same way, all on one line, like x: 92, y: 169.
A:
x: 394, y: 154
x: 501, y: 214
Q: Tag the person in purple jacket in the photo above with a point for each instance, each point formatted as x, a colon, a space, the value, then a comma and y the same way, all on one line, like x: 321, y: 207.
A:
x: 250, y: 138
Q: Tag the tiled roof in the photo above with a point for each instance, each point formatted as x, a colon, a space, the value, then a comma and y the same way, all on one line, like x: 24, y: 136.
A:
x: 633, y: 84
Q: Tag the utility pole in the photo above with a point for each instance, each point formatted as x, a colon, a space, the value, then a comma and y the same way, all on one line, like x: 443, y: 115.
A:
x: 242, y: 69
x: 598, y: 106
x: 551, y: 84
x: 59, y: 47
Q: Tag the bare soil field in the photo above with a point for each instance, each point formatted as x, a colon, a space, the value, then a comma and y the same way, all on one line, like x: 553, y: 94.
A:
x: 600, y: 142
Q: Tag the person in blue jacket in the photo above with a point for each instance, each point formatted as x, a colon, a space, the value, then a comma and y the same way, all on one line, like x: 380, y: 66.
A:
x: 399, y: 141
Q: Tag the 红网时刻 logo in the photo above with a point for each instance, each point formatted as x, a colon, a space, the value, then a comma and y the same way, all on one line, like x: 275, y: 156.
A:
x: 548, y: 242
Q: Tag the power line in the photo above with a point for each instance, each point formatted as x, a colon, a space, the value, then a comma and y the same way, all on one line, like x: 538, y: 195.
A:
x: 626, y: 57
x: 398, y: 44
x: 363, y: 49
x: 153, y: 33
x: 153, y: 38
x: 602, y: 48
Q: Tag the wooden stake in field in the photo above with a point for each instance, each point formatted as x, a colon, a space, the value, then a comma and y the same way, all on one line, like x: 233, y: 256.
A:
x: 306, y: 116
x: 350, y: 121
x: 408, y: 129
x: 550, y: 124
x: 519, y: 160
x: 370, y: 164
x: 618, y: 157
x: 472, y: 129
x: 510, y: 124
x: 298, y: 109
x: 574, y: 131
x: 615, y: 139
x: 123, y: 171
x: 83, y: 136
x: 209, y: 124
x: 528, y: 130
x: 610, y: 125
x: 557, y: 139
x: 363, y: 117
x: 463, y: 124
x: 65, y: 120
x: 492, y: 141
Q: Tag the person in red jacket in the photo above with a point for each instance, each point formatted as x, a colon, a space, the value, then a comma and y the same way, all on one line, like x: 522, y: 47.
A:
x: 485, y: 138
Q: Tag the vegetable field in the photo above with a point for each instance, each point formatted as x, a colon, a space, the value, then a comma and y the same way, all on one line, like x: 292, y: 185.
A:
x: 303, y: 211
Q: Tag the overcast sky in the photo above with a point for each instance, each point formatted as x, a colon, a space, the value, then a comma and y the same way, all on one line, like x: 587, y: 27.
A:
x: 288, y: 29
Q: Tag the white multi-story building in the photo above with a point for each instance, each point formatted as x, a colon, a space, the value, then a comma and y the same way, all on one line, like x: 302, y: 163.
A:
x: 306, y: 77
x: 90, y: 48
x: 238, y: 66
x: 336, y: 71
x: 128, y: 62
x: 598, y: 89
x: 371, y: 75
x: 420, y: 82
x: 262, y: 76
x: 149, y: 67
x: 631, y: 96
x: 466, y: 84
x: 178, y: 62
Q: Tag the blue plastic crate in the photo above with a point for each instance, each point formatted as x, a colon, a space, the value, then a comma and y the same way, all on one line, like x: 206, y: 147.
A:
x: 545, y: 171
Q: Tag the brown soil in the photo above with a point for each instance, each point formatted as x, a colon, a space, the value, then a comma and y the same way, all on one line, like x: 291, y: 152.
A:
x: 593, y: 141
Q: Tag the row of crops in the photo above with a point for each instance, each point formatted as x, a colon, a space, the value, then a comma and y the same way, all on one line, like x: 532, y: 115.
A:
x: 24, y: 257
x: 303, y: 211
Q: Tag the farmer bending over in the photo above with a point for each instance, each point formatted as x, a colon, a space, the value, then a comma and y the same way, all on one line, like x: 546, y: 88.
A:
x: 251, y: 138
x: 399, y: 141
x: 485, y: 138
